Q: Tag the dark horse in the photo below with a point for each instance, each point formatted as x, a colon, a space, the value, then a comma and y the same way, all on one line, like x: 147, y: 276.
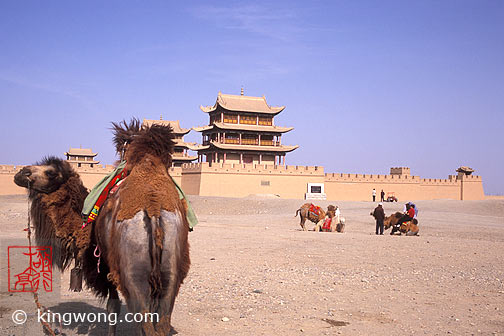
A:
x: 140, y: 233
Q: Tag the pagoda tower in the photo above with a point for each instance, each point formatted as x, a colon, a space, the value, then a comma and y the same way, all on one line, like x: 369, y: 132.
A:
x: 242, y: 130
x: 81, y: 157
x: 180, y: 155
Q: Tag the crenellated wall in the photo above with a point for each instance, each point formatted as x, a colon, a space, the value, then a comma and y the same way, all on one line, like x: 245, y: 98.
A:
x: 239, y: 180
x: 359, y: 187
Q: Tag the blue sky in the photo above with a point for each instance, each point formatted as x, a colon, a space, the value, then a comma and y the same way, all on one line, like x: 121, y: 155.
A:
x: 368, y: 85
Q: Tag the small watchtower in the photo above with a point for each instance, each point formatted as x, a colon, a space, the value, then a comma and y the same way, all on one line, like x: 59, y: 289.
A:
x: 400, y: 171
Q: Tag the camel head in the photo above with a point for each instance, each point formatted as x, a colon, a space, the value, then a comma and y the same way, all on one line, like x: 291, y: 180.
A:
x: 331, y: 211
x: 44, y: 177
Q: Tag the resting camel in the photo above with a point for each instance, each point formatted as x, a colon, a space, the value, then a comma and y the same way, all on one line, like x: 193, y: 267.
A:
x: 140, y: 233
x: 337, y: 221
x: 410, y: 228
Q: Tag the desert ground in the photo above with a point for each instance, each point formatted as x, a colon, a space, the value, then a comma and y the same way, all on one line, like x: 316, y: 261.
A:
x: 254, y: 272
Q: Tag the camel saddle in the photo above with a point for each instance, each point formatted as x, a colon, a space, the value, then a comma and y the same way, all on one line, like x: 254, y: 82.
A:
x: 314, y: 210
x: 327, y: 224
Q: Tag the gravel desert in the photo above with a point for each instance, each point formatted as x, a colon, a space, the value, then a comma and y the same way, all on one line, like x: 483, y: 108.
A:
x: 254, y: 272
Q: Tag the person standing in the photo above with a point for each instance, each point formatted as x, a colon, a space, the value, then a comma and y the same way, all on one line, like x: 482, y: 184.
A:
x: 382, y: 194
x: 374, y: 195
x: 379, y: 215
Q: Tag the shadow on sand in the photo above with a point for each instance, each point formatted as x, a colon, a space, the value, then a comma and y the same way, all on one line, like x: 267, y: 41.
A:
x: 81, y: 318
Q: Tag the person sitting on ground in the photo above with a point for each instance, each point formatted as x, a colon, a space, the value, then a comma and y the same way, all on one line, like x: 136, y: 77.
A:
x: 416, y: 209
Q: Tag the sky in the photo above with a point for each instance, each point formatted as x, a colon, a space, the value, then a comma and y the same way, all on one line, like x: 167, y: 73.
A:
x: 367, y: 85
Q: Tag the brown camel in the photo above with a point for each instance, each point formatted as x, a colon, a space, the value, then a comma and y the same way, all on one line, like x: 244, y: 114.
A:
x: 410, y: 228
x: 313, y: 213
x: 337, y: 221
x: 140, y: 233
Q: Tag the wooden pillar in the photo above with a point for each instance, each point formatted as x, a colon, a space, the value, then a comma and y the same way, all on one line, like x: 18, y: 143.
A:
x: 241, y: 158
x: 260, y: 158
x: 238, y: 119
x: 224, y: 157
x: 259, y: 140
x: 240, y: 138
x: 222, y: 117
x: 257, y: 120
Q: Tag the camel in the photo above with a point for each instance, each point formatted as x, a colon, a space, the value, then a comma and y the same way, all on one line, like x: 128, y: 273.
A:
x: 337, y: 223
x: 311, y: 212
x: 140, y: 234
x: 410, y: 228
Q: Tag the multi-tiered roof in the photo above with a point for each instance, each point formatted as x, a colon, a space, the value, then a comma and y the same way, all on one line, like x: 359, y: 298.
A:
x: 81, y: 157
x: 180, y: 155
x: 242, y: 130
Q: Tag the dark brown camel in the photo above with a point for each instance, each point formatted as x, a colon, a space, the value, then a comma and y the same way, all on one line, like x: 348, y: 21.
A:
x: 141, y: 231
x: 410, y: 228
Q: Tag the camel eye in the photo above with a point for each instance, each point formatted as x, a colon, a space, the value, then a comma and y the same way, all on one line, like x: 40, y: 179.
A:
x: 50, y: 173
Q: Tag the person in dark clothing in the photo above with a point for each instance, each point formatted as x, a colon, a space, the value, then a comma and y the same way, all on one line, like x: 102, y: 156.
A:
x: 382, y: 194
x: 379, y: 215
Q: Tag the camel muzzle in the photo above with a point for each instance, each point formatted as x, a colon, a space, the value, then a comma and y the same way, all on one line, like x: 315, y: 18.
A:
x: 22, y: 178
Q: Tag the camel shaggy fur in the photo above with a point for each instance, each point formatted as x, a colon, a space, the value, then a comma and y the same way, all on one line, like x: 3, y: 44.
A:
x: 140, y: 233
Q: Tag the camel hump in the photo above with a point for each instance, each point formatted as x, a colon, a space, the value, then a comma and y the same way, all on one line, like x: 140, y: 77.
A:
x: 148, y: 187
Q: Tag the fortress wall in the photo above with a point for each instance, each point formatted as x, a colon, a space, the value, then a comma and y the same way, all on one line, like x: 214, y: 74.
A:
x: 176, y: 174
x: 362, y: 190
x: 239, y: 180
x: 7, y: 185
x: 358, y: 187
x: 472, y: 187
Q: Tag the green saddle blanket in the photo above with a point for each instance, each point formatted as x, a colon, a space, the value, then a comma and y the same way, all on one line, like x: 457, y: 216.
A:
x: 90, y: 209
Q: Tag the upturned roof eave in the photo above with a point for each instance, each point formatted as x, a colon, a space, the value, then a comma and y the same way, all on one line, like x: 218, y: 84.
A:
x: 274, y: 110
x: 281, y: 149
x: 244, y: 127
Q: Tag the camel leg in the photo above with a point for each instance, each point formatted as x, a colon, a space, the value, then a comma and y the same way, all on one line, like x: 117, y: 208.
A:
x: 136, y: 268
x: 302, y: 223
x: 113, y: 307
x: 175, y: 256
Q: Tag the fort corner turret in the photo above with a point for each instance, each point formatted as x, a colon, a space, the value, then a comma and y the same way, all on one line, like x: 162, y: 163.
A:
x: 241, y: 129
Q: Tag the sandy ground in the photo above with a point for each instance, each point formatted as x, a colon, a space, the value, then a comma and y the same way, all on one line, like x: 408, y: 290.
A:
x: 254, y: 272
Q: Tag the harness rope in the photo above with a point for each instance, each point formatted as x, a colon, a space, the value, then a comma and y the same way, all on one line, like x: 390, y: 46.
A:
x: 35, y: 294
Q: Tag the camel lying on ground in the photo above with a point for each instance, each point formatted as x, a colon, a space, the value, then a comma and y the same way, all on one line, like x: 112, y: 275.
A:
x: 140, y: 234
x: 410, y: 228
x: 333, y: 221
